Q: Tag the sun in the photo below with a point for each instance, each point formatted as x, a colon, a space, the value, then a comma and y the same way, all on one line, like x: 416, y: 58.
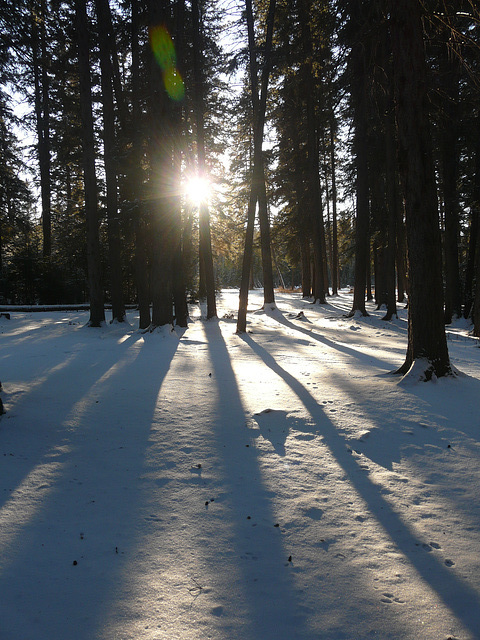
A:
x: 198, y: 190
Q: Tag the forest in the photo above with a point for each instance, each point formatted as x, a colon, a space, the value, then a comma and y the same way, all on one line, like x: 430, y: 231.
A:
x: 154, y: 152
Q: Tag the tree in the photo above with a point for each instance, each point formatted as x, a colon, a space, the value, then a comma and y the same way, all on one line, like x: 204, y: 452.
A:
x: 257, y: 191
x: 97, y: 312
x: 206, y: 258
x: 42, y: 114
x: 427, y: 344
x: 111, y: 152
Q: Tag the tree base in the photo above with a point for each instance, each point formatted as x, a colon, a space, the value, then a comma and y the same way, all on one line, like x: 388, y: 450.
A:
x: 423, y: 370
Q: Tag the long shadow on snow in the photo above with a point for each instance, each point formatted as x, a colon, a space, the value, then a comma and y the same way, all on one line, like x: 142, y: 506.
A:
x: 269, y: 591
x: 381, y: 364
x: 90, y: 512
x: 57, y: 384
x: 458, y: 596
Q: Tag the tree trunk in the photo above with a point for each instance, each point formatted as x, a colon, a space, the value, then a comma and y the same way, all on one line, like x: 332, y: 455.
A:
x: 306, y: 266
x: 427, y: 344
x: 178, y: 270
x: 362, y: 219
x: 392, y: 200
x: 449, y: 164
x: 161, y: 186
x: 359, y: 65
x: 476, y: 214
x: 97, y: 313
x: 334, y: 265
x: 42, y: 114
x: 136, y: 180
x: 110, y: 164
x: 313, y: 191
x: 259, y: 107
x: 205, y: 240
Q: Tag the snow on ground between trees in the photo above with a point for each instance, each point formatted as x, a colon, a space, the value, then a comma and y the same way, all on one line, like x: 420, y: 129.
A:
x: 275, y: 485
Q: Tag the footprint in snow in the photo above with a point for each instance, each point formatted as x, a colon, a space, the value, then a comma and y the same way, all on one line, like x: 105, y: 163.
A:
x: 389, y: 598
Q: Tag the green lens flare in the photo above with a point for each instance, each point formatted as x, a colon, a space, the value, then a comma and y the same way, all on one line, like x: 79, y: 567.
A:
x: 162, y: 47
x: 174, y: 84
x: 164, y: 52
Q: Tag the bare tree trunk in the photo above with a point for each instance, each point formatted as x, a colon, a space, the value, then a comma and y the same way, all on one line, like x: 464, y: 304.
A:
x: 205, y: 239
x: 136, y: 183
x: 360, y: 78
x: 111, y: 165
x: 97, y: 313
x: 178, y: 270
x: 362, y: 220
x: 313, y: 171
x: 449, y: 165
x: 306, y: 266
x: 42, y: 114
x: 259, y: 107
x: 162, y: 186
x: 427, y: 344
x: 334, y: 265
x: 392, y: 199
x: 476, y: 214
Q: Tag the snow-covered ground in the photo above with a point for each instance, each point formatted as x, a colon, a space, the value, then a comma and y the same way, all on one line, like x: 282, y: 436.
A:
x: 275, y: 486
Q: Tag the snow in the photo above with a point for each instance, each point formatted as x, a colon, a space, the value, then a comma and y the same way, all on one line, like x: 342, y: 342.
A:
x: 276, y: 485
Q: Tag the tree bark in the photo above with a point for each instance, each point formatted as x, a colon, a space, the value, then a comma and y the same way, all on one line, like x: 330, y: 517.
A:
x: 314, y: 193
x: 136, y: 180
x: 97, y: 313
x: 42, y: 114
x: 205, y: 240
x: 110, y: 164
x: 161, y: 188
x: 427, y: 344
x: 449, y: 164
x: 258, y: 176
x: 359, y: 87
x: 334, y: 265
x: 476, y: 214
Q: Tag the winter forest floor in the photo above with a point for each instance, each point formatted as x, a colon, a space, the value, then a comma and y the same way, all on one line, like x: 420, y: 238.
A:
x: 274, y: 486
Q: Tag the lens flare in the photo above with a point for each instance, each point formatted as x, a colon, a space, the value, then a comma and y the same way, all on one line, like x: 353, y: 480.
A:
x: 164, y: 52
x: 174, y: 84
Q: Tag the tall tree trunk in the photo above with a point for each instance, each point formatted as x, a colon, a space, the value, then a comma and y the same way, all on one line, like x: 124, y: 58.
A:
x: 427, y: 344
x: 401, y: 252
x: 334, y: 265
x: 110, y: 164
x: 449, y: 164
x: 359, y: 83
x: 162, y: 171
x: 313, y: 171
x: 259, y: 108
x: 136, y: 180
x: 97, y: 313
x: 392, y: 200
x: 476, y: 214
x: 362, y: 218
x: 259, y: 104
x: 42, y: 114
x: 205, y: 239
x: 178, y: 271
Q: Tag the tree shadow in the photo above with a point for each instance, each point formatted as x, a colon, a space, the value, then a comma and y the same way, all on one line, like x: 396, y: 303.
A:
x: 456, y: 594
x: 381, y: 364
x: 271, y: 573
x: 54, y: 384
x: 88, y: 507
